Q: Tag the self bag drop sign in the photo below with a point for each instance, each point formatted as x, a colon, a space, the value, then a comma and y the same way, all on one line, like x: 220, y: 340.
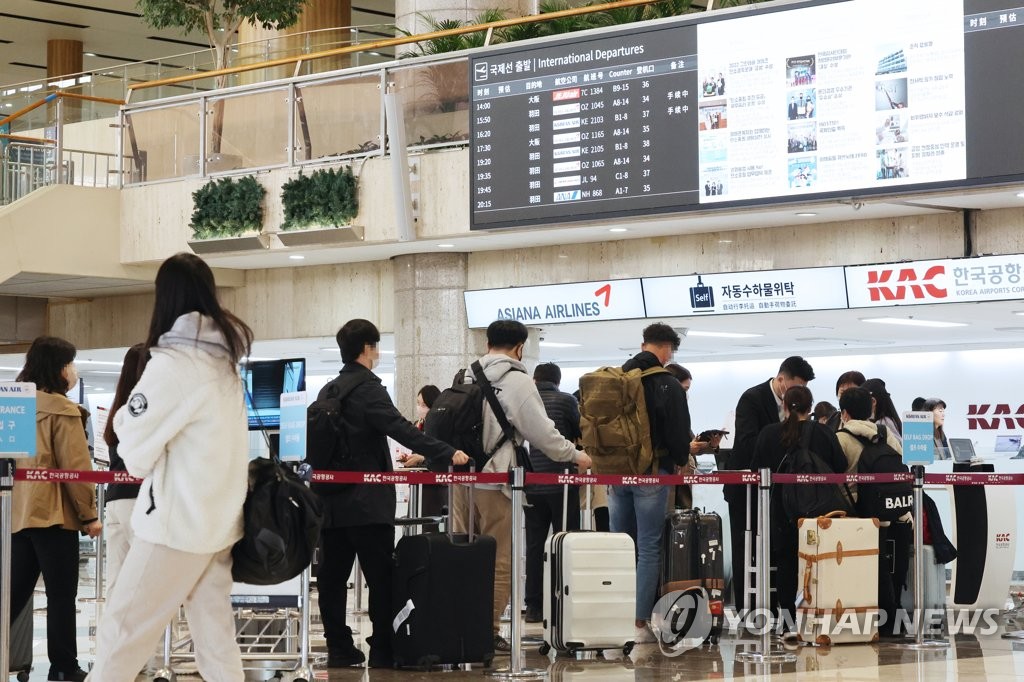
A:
x: 557, y: 303
x: 17, y: 419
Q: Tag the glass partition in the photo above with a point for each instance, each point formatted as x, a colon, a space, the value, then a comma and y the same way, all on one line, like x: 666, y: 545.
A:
x: 339, y: 118
x: 163, y: 142
x: 435, y: 102
x: 247, y: 131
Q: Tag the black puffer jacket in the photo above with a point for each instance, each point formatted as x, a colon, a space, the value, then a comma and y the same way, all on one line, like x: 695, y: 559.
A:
x: 668, y: 411
x: 370, y: 417
x: 563, y: 409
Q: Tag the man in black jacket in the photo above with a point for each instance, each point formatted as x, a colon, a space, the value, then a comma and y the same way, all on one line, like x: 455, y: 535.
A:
x: 758, y: 407
x: 360, y: 519
x: 640, y: 510
x: 544, y: 510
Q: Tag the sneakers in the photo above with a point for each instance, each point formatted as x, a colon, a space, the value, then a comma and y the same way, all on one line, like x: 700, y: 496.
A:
x: 644, y: 636
x: 501, y: 645
x: 345, y: 657
x: 534, y: 615
x: 77, y: 675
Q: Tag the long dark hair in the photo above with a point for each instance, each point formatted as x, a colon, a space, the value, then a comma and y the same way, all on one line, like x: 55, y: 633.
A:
x: 883, y: 402
x: 184, y: 284
x: 798, y: 401
x: 134, y: 362
x: 45, y: 362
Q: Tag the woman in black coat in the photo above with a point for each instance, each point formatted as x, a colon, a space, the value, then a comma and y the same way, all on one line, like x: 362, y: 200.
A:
x: 773, y: 444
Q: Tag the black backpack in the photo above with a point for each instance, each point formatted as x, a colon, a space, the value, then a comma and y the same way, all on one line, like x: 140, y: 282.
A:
x: 327, y: 444
x: 803, y: 501
x: 883, y: 501
x: 282, y: 520
x: 457, y: 418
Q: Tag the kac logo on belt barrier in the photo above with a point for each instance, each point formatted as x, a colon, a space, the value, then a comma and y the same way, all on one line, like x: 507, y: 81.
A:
x: 36, y: 475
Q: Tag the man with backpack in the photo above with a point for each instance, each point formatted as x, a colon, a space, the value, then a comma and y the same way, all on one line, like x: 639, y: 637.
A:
x: 521, y: 407
x: 347, y: 430
x: 873, y: 449
x: 758, y: 407
x: 640, y: 510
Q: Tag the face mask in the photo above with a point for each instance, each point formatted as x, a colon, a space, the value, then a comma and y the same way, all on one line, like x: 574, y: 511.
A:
x: 421, y: 411
x: 71, y: 374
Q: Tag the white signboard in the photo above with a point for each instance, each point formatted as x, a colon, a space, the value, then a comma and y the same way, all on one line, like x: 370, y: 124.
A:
x: 557, y: 303
x: 745, y: 292
x: 988, y: 278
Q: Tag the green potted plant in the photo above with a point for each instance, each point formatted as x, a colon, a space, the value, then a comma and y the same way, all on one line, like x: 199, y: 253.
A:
x: 227, y: 215
x: 320, y: 208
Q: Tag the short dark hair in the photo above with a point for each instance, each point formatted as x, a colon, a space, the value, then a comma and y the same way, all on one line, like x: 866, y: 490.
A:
x: 918, y: 404
x: 933, y: 403
x: 856, y: 402
x: 824, y: 409
x: 659, y: 333
x: 353, y: 338
x: 796, y: 366
x: 504, y: 334
x: 548, y: 371
x: 44, y: 363
x: 429, y: 394
x: 852, y: 377
x: 678, y: 371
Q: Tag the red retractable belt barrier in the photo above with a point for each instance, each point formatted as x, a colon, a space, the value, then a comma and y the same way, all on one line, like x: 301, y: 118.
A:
x: 426, y: 477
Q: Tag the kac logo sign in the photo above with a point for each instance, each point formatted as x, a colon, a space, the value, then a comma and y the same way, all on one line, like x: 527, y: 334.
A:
x: 920, y: 288
x: 1002, y: 539
x: 977, y: 414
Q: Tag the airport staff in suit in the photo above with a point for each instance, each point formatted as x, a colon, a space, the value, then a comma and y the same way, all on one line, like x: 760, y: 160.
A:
x: 758, y: 407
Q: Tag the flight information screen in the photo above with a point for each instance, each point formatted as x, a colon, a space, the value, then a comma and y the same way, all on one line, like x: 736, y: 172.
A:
x: 809, y: 100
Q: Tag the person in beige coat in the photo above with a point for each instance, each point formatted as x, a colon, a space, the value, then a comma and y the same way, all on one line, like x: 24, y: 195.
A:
x: 48, y: 517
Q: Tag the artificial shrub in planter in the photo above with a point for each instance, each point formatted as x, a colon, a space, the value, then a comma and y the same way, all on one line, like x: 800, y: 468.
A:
x: 325, y: 198
x: 227, y: 208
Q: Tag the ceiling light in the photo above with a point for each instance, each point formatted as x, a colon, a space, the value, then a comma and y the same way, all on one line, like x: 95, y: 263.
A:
x: 89, y: 54
x: 1019, y: 312
x: 806, y: 215
x: 446, y: 246
x: 296, y: 257
x: 812, y: 327
x: 387, y: 352
x: 1009, y: 329
x: 911, y: 322
x: 331, y: 349
x: 725, y: 241
x: 10, y: 369
x: 557, y: 344
x: 98, y: 362
x: 619, y: 229
x: 1020, y: 195
x: 723, y: 335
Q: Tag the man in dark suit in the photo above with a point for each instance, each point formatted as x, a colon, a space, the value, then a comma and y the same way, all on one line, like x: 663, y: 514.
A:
x: 758, y: 407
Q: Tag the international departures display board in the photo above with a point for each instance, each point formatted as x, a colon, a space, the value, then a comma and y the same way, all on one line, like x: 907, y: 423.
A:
x: 852, y: 97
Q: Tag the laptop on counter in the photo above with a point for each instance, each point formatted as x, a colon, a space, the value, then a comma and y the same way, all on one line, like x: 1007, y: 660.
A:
x: 962, y: 449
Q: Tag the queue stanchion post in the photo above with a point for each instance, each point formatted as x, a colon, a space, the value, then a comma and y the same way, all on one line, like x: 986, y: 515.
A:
x: 515, y: 669
x: 6, y: 519
x: 920, y: 643
x: 765, y: 656
x: 166, y: 673
x: 101, y: 553
x: 357, y: 606
x: 304, y: 673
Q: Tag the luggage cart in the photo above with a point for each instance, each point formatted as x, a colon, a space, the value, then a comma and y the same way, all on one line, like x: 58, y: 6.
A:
x: 272, y: 629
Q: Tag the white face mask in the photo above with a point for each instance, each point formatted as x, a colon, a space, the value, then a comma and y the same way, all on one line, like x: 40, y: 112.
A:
x: 71, y: 374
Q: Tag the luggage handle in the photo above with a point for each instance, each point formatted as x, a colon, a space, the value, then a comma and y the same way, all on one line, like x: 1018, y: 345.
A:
x: 471, y: 507
x: 837, y: 514
x: 565, y: 500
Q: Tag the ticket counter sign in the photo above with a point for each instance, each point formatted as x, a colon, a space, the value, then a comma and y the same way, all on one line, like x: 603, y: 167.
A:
x: 293, y: 426
x: 621, y: 299
x: 960, y: 280
x: 918, y: 438
x: 726, y: 293
x: 17, y: 419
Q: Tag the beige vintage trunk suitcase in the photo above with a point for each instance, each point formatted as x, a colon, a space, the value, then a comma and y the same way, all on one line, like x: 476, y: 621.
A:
x: 838, y: 574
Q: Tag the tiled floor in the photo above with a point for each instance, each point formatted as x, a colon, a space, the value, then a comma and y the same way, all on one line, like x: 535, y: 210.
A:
x: 969, y: 657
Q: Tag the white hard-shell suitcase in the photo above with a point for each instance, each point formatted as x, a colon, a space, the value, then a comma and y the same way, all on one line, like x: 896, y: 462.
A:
x: 837, y: 589
x: 934, y: 584
x: 589, y: 592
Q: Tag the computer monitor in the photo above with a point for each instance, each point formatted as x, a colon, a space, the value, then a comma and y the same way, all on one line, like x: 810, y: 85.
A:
x: 962, y: 449
x: 265, y: 381
x: 1008, y: 443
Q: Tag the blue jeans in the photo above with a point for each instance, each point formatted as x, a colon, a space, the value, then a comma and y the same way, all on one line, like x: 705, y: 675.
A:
x: 640, y: 511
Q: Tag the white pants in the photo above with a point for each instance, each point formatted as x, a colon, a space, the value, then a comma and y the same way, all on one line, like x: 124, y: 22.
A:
x: 117, y: 532
x: 154, y: 581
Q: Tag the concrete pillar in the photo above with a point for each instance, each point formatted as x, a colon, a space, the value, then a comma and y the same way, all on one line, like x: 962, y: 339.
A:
x: 432, y: 342
x: 317, y: 15
x: 63, y: 58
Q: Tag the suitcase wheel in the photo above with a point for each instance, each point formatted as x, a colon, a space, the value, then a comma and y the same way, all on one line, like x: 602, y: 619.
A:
x: 627, y: 649
x: 544, y: 649
x: 487, y: 662
x: 23, y: 676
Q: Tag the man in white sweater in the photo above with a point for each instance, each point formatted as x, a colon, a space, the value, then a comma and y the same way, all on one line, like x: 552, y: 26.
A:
x: 517, y: 394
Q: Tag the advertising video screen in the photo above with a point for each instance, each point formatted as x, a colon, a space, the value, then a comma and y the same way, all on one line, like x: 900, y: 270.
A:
x: 265, y: 381
x: 802, y: 100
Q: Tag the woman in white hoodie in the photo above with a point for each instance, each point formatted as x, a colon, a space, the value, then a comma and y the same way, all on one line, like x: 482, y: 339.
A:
x: 183, y: 431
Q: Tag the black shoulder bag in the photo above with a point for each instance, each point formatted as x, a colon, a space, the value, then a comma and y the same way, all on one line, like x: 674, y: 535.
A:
x: 508, y: 433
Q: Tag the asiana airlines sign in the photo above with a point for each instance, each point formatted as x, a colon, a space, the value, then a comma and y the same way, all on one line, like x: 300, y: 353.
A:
x: 621, y: 299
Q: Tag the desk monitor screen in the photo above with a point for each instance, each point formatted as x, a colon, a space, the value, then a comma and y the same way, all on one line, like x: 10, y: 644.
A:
x: 1008, y: 443
x: 962, y: 449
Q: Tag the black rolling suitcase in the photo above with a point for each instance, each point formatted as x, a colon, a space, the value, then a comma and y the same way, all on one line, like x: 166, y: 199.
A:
x: 21, y: 643
x: 693, y: 559
x: 443, y: 598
